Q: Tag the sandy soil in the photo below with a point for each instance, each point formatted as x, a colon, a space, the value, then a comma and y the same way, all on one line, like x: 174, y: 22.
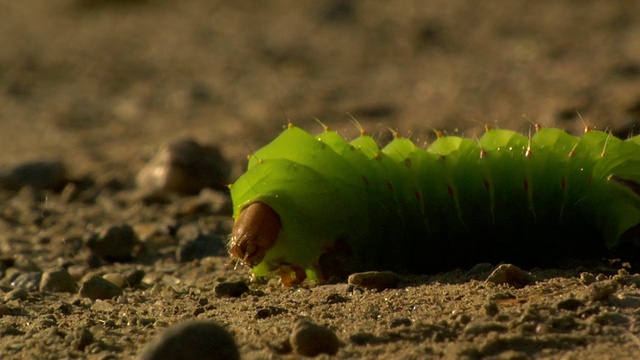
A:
x: 101, y: 84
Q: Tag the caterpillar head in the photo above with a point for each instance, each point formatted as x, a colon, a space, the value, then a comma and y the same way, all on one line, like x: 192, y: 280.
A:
x: 256, y: 232
x: 299, y: 200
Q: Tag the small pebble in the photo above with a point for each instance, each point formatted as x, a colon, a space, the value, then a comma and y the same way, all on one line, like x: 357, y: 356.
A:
x: 36, y: 174
x: 25, y: 263
x: 82, y: 337
x: 511, y: 275
x: 208, y: 201
x: 363, y: 338
x: 146, y: 321
x: 114, y: 244
x: 77, y: 271
x: 587, y: 278
x: 601, y: 277
x: 309, y: 339
x: 100, y: 305
x: 188, y: 340
x: 184, y: 167
x: 400, y: 322
x: 134, y: 277
x: 16, y: 294
x: 501, y: 296
x: 200, y: 246
x: 29, y: 281
x: 154, y: 237
x: 269, y: 311
x: 98, y: 288
x: 563, y: 323
x: 336, y: 299
x: 58, y: 280
x: 231, y: 289
x: 480, y: 269
x: 475, y: 328
x: 69, y: 193
x: 569, y: 304
x: 375, y: 280
x: 4, y: 310
x: 611, y: 318
x: 491, y: 309
x: 116, y: 279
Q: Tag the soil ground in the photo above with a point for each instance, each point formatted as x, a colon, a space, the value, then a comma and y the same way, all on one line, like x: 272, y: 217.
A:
x: 101, y: 84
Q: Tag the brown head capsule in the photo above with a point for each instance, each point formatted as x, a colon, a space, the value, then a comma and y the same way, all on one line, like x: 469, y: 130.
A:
x: 254, y: 232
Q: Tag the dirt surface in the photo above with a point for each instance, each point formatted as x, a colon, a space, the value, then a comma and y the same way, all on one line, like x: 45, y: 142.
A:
x: 100, y: 85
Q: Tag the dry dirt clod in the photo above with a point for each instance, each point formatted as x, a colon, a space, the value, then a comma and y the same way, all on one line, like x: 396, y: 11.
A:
x: 58, y: 280
x: 192, y: 340
x: 184, y: 167
x: 600, y: 291
x: 309, y: 339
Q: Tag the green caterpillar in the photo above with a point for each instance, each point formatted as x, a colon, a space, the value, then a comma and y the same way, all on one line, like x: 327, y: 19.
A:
x: 319, y: 206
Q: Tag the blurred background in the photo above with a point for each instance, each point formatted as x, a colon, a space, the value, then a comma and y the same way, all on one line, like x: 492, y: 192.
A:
x: 101, y: 83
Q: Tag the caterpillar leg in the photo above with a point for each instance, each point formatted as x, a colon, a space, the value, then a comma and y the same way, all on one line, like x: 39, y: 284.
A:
x: 291, y: 275
x: 254, y: 232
